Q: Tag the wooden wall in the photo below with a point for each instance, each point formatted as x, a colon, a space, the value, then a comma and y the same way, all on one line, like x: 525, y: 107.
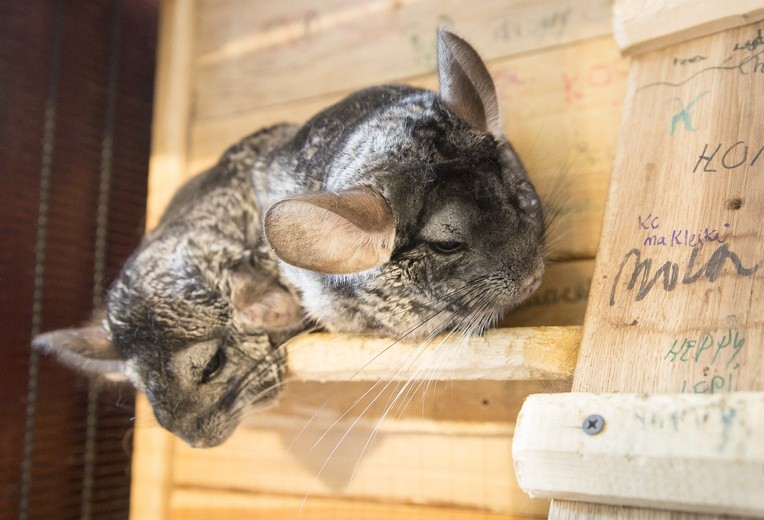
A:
x: 229, y: 67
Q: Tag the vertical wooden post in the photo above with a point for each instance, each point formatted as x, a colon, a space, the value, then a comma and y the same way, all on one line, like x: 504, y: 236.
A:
x: 153, y: 446
x: 677, y: 298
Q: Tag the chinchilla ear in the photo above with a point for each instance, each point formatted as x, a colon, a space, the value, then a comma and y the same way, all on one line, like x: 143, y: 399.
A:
x: 261, y: 304
x: 466, y: 87
x: 86, y: 349
x: 332, y: 233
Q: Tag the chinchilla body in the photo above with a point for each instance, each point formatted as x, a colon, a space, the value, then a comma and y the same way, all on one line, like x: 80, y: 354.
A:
x: 445, y: 183
x: 397, y: 211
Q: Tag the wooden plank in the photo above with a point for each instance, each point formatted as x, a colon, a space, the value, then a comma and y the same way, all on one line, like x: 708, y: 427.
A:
x: 192, y: 503
x: 666, y: 313
x: 697, y: 453
x: 457, y: 413
x: 172, y: 102
x: 560, y: 300
x: 151, y: 462
x: 248, y: 59
x: 402, y: 461
x: 500, y: 354
x: 561, y: 111
x: 151, y: 473
x: 644, y: 25
x: 685, y: 175
x: 565, y: 510
x: 438, y: 444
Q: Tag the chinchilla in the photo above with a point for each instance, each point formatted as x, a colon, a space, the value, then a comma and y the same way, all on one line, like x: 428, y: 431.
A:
x: 397, y: 211
x: 198, y: 312
x: 407, y: 212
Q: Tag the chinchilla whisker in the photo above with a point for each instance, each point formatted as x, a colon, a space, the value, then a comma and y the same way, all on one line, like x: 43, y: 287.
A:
x: 387, y: 382
x: 406, y: 387
x: 422, y: 347
x: 424, y: 365
x: 342, y: 438
x: 431, y: 370
x: 443, y: 307
x: 557, y: 203
x: 463, y: 294
x: 415, y: 382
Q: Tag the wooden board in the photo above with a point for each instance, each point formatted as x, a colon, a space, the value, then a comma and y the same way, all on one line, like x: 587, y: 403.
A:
x: 565, y: 510
x: 273, y: 54
x: 713, y: 441
x: 561, y: 84
x: 442, y: 443
x: 688, y: 170
x: 521, y: 353
x: 172, y: 107
x: 667, y: 314
x: 202, y: 504
x: 644, y: 25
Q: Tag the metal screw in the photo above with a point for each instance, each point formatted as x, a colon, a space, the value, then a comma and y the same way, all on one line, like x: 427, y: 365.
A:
x: 593, y: 424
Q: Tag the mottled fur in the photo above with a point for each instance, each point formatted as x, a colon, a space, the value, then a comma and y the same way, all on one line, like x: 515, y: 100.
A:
x: 199, y: 311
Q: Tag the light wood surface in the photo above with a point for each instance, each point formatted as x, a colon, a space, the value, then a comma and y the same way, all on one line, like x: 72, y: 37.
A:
x: 330, y: 43
x: 172, y: 106
x: 151, y: 479
x: 560, y: 300
x: 646, y: 444
x: 682, y: 317
x: 442, y: 443
x: 672, y: 318
x: 521, y: 353
x: 202, y: 504
x: 644, y: 25
x: 565, y: 510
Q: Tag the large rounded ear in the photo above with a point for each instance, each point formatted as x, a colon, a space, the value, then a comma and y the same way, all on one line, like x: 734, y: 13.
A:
x: 466, y: 87
x: 87, y: 349
x: 261, y: 304
x: 332, y: 233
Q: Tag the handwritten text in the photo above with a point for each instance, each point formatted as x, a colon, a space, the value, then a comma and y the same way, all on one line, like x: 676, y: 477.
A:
x: 667, y: 274
x: 732, y: 157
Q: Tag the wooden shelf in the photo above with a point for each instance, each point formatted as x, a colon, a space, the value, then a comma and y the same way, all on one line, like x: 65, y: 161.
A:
x: 688, y: 452
x: 522, y: 353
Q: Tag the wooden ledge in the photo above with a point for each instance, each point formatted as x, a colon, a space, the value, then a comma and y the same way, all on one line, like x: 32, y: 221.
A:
x: 521, y: 353
x: 689, y: 452
x: 645, y: 25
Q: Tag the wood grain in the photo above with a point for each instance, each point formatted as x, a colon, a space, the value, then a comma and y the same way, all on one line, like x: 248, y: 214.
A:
x: 202, y: 504
x: 686, y: 314
x: 397, y: 461
x: 228, y: 68
x: 151, y: 463
x: 565, y: 510
x: 501, y: 354
x: 713, y: 441
x: 330, y: 45
x: 666, y: 313
x: 644, y: 25
x: 560, y: 300
x: 151, y: 471
x: 172, y: 107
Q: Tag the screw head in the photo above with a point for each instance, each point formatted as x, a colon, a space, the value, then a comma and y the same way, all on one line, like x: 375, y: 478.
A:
x: 593, y: 424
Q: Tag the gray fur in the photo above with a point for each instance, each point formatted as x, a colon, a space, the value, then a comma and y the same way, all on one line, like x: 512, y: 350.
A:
x: 205, y: 281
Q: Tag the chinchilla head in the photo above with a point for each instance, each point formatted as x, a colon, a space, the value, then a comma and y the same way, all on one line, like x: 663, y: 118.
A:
x: 194, y: 324
x: 425, y: 219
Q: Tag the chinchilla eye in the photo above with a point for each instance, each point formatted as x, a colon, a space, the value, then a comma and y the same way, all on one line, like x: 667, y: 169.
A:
x: 447, y: 248
x: 214, y: 366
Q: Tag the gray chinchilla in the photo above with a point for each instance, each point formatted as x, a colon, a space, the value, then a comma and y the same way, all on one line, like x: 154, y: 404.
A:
x: 398, y: 211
